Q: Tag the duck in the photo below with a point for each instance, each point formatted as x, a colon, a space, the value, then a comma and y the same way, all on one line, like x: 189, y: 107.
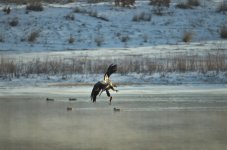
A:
x: 69, y: 108
x: 116, y: 109
x: 72, y: 99
x: 49, y: 99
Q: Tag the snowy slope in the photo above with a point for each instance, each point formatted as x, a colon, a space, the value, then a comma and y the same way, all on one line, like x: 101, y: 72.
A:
x: 55, y: 30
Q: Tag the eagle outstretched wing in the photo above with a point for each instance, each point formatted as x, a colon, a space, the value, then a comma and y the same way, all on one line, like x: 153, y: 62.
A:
x: 111, y: 69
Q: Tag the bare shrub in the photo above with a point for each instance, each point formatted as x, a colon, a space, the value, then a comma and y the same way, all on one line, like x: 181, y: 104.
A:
x: 193, y: 2
x: 33, y: 36
x: 78, y: 10
x: 222, y: 8
x: 188, y: 5
x: 159, y: 5
x: 70, y: 16
x: 183, y: 6
x: 71, y: 39
x: 124, y: 38
x: 142, y: 17
x: 1, y: 38
x: 99, y: 40
x: 187, y: 37
x: 35, y: 6
x: 145, y: 38
x: 93, y: 14
x: 7, y: 10
x: 14, y: 22
x: 223, y: 32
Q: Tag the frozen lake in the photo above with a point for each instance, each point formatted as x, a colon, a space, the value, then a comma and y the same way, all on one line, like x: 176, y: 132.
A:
x: 150, y: 117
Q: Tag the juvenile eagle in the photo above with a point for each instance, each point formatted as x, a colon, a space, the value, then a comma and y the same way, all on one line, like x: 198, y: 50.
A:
x: 104, y: 85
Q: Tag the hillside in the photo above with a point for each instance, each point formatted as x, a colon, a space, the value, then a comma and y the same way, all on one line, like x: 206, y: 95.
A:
x: 79, y: 25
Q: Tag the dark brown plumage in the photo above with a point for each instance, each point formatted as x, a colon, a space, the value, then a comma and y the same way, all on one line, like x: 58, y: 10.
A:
x: 104, y: 85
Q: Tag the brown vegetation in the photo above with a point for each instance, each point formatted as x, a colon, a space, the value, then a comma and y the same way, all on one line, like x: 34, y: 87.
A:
x: 138, y: 64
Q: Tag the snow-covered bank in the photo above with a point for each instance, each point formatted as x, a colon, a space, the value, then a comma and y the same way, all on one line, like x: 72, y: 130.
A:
x: 121, y: 80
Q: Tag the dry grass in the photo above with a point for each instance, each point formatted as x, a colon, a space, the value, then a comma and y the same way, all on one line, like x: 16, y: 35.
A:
x: 138, y: 64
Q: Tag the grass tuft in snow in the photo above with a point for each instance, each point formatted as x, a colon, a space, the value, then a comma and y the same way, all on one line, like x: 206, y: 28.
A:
x: 33, y: 36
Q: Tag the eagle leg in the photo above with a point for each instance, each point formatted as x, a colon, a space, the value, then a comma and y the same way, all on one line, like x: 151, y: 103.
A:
x: 108, y: 94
